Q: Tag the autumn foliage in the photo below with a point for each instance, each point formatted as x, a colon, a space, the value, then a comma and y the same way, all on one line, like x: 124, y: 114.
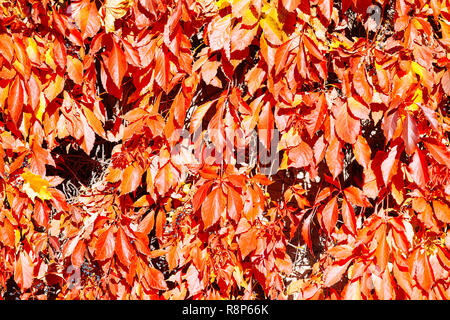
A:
x: 128, y: 167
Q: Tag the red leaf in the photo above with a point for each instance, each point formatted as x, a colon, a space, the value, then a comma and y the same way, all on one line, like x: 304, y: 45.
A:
x: 155, y: 279
x: 124, y: 250
x: 131, y: 178
x: 77, y: 257
x: 347, y: 127
x: 89, y: 19
x: 312, y: 48
x: 75, y: 69
x: 341, y: 252
x: 117, y: 65
x: 291, y: 5
x: 213, y: 207
x: 410, y: 134
x: 418, y: 168
x: 361, y: 85
x: 362, y: 151
x: 356, y: 196
x: 330, y: 215
x: 209, y: 71
x: 104, y: 247
x: 389, y: 166
x: 301, y: 155
x: 281, y: 56
x: 173, y: 20
x: 306, y: 233
x: 219, y: 33
x: 166, y: 178
x: 234, y: 204
x: 23, y: 271
x: 195, y: 286
x: 266, y: 126
x: 422, y: 271
x: 382, y: 250
x: 41, y: 212
x: 334, y: 273
x: 439, y: 152
x: 15, y: 100
x: 348, y: 216
x: 146, y: 224
x: 200, y: 195
x: 326, y: 8
x: 7, y: 234
x: 316, y: 117
x: 389, y: 124
x: 199, y: 113
x: 358, y: 109
x: 247, y: 242
x: 334, y: 157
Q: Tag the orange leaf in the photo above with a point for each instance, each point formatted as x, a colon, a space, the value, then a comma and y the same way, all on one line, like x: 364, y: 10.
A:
x: 356, y: 196
x: 362, y: 151
x: 330, y: 215
x: 104, y: 247
x: 155, y: 279
x: 410, y: 134
x: 131, y: 178
x: 418, y: 168
x: 75, y: 69
x: 23, y: 271
x: 334, y: 273
x: 213, y: 207
x: 301, y: 155
x: 117, y: 65
x: 347, y: 127
x: 348, y: 216
x: 382, y: 250
x: 334, y: 157
x: 77, y: 257
x: 247, y: 242
x: 41, y: 212
x: 124, y: 250
x: 442, y: 211
x: 234, y: 204
x: 146, y: 224
x: 166, y: 178
x: 15, y: 100
x: 95, y: 124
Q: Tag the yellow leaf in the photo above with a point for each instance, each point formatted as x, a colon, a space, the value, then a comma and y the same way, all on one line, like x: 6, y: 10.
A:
x: 296, y: 286
x: 284, y: 162
x: 42, y: 106
x: 49, y: 57
x: 115, y: 9
x: 222, y: 4
x: 248, y: 18
x: 417, y: 68
x: 271, y: 25
x: 32, y: 50
x: 34, y: 186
